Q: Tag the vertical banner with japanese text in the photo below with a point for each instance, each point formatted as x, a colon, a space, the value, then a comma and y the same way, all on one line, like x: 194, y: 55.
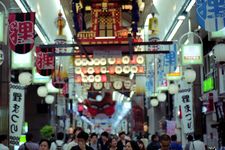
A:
x: 21, y: 32
x: 186, y: 101
x: 16, y: 113
x: 45, y: 64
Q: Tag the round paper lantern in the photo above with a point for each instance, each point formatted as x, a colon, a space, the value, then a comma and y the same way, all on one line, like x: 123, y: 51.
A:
x: 140, y: 59
x: 219, y: 53
x: 189, y: 75
x: 141, y: 69
x: 126, y: 60
x: 98, y: 78
x: 173, y: 88
x: 161, y: 97
x: 78, y: 79
x: 78, y: 62
x: 126, y: 69
x: 118, y: 61
x: 91, y: 78
x: 84, y: 78
x: 111, y: 69
x: 134, y: 69
x: 103, y: 70
x: 96, y: 62
x: 25, y: 78
x: 84, y: 62
x: 99, y: 98
x: 104, y: 78
x: 90, y: 70
x: 133, y: 61
x: 118, y: 69
x: 84, y: 70
x: 49, y: 99
x: 111, y: 61
x: 97, y: 70
x: 42, y: 91
x: 78, y: 70
x: 154, y: 102
x: 91, y: 62
x: 103, y: 61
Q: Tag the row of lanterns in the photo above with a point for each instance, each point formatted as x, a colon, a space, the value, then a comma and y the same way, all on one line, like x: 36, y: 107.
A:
x: 90, y: 78
x: 110, y: 69
x: 25, y: 79
x: 110, y: 61
x: 189, y: 76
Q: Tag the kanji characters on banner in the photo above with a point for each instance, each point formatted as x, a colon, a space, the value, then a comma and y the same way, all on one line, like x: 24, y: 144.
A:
x: 16, y: 113
x: 45, y: 63
x: 21, y: 32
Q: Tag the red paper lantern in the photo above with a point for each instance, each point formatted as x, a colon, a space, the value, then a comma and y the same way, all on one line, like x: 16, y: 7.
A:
x: 78, y: 79
x: 104, y: 78
x: 84, y: 70
x: 97, y: 70
x: 111, y: 70
x: 141, y: 69
x: 118, y: 61
x: 133, y: 61
x: 80, y: 107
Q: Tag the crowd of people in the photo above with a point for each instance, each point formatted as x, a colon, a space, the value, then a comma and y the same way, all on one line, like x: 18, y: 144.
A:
x: 80, y: 140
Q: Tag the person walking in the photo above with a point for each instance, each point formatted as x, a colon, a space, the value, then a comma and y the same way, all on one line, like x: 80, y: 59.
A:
x: 197, y: 144
x: 29, y: 144
x: 154, y: 145
x: 122, y: 142
x: 3, y: 142
x: 190, y: 139
x: 82, y: 139
x: 174, y: 145
x: 44, y: 144
x: 58, y: 144
x: 94, y: 141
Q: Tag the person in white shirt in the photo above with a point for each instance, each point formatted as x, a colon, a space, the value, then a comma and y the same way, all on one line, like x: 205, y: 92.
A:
x: 74, y: 142
x: 3, y: 142
x: 58, y: 143
x: 197, y: 144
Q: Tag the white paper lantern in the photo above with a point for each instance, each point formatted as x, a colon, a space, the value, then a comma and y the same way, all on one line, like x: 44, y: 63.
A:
x: 91, y: 78
x: 219, y: 52
x: 98, y: 78
x: 154, y: 102
x: 103, y: 70
x: 49, y: 99
x: 103, y: 61
x: 84, y: 78
x: 78, y: 70
x: 91, y: 62
x: 42, y: 91
x: 118, y: 69
x: 25, y: 78
x: 111, y: 61
x: 96, y: 61
x: 84, y: 62
x: 126, y: 69
x: 126, y: 60
x: 173, y: 88
x: 99, y: 98
x: 189, y: 75
x: 78, y: 62
x: 134, y: 69
x: 90, y: 70
x: 140, y: 59
x: 161, y: 97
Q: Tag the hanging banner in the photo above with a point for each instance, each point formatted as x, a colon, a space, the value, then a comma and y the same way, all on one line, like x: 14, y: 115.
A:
x: 186, y: 100
x: 21, y: 32
x: 16, y: 113
x: 192, y: 54
x: 170, y: 127
x: 45, y: 64
x: 211, y: 14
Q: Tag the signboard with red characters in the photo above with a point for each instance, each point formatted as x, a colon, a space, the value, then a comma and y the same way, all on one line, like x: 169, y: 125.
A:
x: 21, y: 32
x: 45, y: 64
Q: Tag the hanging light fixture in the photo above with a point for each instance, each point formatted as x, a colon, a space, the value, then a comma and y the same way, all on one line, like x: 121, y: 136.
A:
x: 161, y: 97
x: 42, y: 91
x: 173, y: 88
x: 189, y: 75
x: 154, y: 102
x: 25, y: 78
x: 49, y: 99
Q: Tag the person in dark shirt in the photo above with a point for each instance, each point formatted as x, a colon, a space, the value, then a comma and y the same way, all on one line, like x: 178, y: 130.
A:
x: 82, y: 139
x: 122, y: 142
x: 174, y: 145
x: 154, y: 145
x: 103, y: 143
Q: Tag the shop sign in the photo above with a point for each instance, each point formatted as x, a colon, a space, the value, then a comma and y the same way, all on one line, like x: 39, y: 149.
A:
x: 186, y: 100
x: 16, y: 113
x: 211, y: 14
x: 192, y: 54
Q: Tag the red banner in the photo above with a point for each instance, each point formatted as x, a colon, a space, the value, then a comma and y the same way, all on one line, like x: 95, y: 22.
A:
x: 45, y: 64
x: 21, y: 32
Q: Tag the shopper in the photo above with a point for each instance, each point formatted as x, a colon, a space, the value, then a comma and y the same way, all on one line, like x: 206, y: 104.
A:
x: 58, y: 144
x: 132, y: 145
x: 197, y: 144
x: 122, y: 142
x: 73, y: 143
x: 94, y: 141
x: 154, y: 145
x: 103, y: 143
x: 141, y: 144
x: 44, y: 144
x: 29, y: 144
x: 174, y: 145
x: 113, y: 144
x: 3, y: 142
x: 190, y: 139
x: 82, y: 139
x: 165, y: 142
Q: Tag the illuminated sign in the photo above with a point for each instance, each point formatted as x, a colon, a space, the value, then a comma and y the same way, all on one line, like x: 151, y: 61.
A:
x: 1, y: 27
x: 191, y: 54
x: 208, y: 84
x: 21, y: 61
x: 37, y: 78
x: 218, y: 34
